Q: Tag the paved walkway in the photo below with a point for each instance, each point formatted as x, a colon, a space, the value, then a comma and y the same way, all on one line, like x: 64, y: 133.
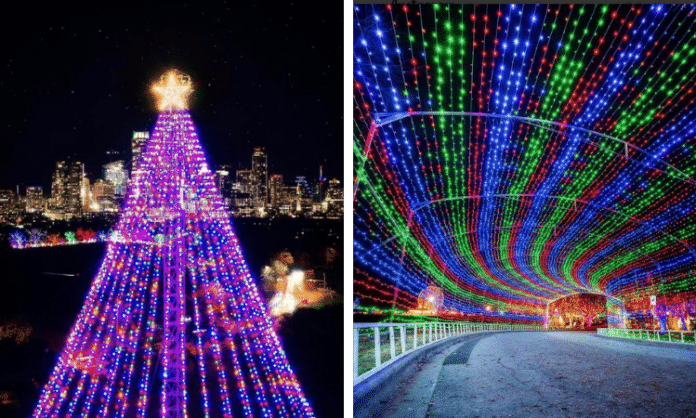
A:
x: 550, y: 374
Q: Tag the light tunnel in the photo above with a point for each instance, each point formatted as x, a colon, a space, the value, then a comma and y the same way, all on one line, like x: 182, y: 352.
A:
x: 512, y: 155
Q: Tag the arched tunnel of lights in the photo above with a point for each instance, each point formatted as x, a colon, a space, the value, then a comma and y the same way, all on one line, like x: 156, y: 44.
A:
x: 511, y: 155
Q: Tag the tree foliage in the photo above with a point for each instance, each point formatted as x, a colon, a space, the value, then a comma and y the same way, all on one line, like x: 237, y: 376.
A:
x: 578, y: 310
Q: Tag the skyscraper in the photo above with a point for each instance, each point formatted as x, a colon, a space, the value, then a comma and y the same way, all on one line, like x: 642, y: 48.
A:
x: 137, y: 143
x: 58, y: 201
x: 103, y: 196
x: 223, y: 181
x: 275, y: 185
x: 259, y: 169
x: 7, y: 200
x: 334, y: 198
x: 74, y: 188
x: 243, y: 190
x: 85, y: 195
x: 35, y: 199
x: 244, y: 181
x: 116, y: 174
x: 334, y: 191
x: 303, y: 197
x: 319, y: 188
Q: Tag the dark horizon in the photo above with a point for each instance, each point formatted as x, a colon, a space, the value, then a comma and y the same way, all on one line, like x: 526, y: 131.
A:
x: 77, y: 82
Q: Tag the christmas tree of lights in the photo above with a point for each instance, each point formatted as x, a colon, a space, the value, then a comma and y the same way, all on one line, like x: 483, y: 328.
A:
x: 173, y: 325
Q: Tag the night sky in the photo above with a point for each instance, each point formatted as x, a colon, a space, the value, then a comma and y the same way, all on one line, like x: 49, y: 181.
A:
x: 76, y: 81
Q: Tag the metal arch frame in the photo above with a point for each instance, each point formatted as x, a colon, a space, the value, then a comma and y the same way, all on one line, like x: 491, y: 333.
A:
x: 575, y: 202
x: 530, y: 195
x: 385, y: 118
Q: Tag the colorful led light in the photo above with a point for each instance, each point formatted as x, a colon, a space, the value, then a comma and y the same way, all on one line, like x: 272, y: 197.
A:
x: 515, y: 154
x: 36, y: 238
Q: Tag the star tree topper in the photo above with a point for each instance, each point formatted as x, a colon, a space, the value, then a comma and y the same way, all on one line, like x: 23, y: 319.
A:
x: 172, y: 90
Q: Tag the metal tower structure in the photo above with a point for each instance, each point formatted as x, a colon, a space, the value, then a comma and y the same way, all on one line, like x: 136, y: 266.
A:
x: 173, y: 355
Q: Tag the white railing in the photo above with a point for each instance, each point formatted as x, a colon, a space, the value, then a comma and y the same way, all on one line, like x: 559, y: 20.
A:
x: 669, y: 336
x: 370, y: 353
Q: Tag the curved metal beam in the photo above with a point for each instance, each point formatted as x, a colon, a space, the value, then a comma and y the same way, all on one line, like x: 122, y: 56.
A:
x: 575, y: 201
x: 386, y: 118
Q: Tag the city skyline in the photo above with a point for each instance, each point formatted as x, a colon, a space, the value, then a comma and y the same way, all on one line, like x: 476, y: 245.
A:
x: 255, y: 191
x: 93, y: 167
x: 96, y: 171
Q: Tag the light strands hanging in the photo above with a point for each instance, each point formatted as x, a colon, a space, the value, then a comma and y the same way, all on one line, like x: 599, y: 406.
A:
x: 515, y: 154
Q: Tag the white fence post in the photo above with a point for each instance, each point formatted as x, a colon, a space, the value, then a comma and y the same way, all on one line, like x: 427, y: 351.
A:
x: 402, y: 330
x: 378, y: 351
x: 356, y: 341
x: 392, y: 346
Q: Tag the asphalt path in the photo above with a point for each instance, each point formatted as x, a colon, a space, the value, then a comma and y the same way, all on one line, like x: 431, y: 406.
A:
x: 550, y: 374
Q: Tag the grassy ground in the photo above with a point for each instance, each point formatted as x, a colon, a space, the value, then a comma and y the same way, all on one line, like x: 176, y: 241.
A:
x: 688, y: 337
x: 366, y: 344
